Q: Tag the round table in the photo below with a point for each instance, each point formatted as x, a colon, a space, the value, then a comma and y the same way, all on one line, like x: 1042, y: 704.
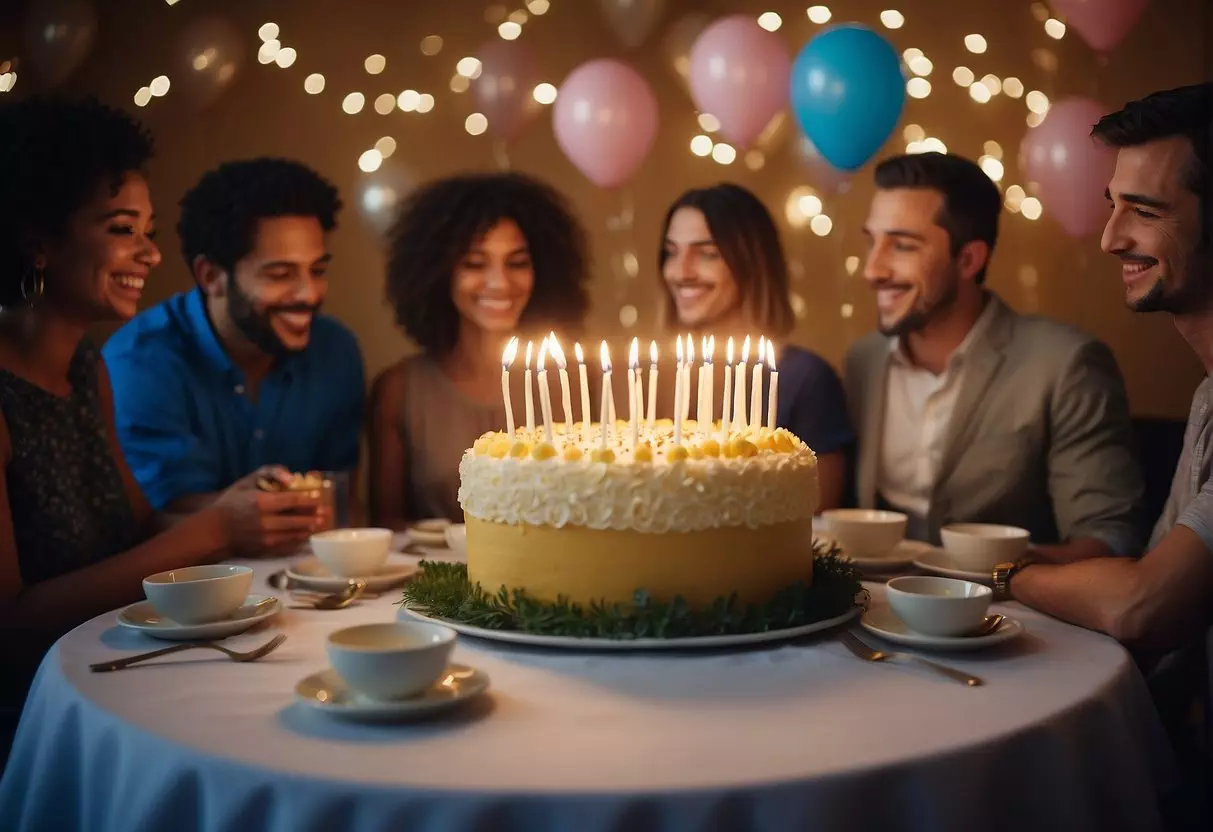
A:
x: 798, y: 735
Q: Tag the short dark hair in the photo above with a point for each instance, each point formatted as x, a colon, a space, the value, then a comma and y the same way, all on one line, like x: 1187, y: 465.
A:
x: 745, y: 234
x: 1183, y: 111
x: 219, y: 215
x: 55, y: 153
x: 439, y: 222
x: 971, y: 200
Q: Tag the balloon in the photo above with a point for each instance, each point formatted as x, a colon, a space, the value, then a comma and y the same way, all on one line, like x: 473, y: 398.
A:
x: 1070, y: 166
x: 632, y: 20
x: 1102, y: 24
x: 503, y: 91
x: 211, y: 53
x: 739, y: 73
x: 678, y: 43
x: 848, y: 93
x: 605, y: 120
x: 58, y: 35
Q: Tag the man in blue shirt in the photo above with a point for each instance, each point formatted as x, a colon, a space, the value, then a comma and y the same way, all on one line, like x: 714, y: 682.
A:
x: 242, y: 371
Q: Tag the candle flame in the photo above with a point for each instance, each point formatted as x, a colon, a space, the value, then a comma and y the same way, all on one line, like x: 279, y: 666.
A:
x: 771, y: 356
x: 580, y: 354
x: 511, y: 352
x: 606, y: 358
x: 556, y: 351
x: 652, y: 352
x: 543, y: 351
x: 762, y: 348
x: 745, y: 350
x: 634, y: 354
x: 678, y: 350
x: 728, y: 352
x: 709, y: 349
x: 690, y: 349
x: 529, y: 346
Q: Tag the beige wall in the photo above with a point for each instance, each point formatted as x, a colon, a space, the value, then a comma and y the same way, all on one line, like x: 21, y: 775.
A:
x: 1036, y: 268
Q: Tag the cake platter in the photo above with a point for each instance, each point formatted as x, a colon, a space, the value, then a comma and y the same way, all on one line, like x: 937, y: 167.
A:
x: 625, y: 644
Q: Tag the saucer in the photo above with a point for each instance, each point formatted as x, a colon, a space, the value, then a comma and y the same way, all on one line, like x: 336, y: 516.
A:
x: 327, y: 692
x: 142, y: 616
x: 937, y: 561
x: 899, y: 557
x: 310, y: 573
x: 431, y: 532
x: 882, y: 621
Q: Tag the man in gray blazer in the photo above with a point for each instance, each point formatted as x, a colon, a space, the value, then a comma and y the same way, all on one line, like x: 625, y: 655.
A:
x: 967, y: 411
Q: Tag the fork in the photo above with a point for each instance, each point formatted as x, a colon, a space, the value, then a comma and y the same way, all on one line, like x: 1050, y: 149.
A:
x: 247, y: 656
x: 867, y: 653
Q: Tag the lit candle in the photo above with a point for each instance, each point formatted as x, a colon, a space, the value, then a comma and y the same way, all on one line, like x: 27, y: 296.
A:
x: 756, y: 388
x: 686, y: 378
x: 633, y: 405
x: 739, y: 421
x: 585, y: 387
x: 605, y: 409
x: 773, y: 395
x: 709, y: 379
x: 566, y: 402
x: 545, y: 397
x: 700, y: 387
x: 726, y: 401
x: 678, y: 392
x: 507, y: 359
x: 530, y: 401
x: 652, y: 384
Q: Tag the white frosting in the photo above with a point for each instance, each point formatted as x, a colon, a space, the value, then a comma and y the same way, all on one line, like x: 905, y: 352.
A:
x: 657, y: 496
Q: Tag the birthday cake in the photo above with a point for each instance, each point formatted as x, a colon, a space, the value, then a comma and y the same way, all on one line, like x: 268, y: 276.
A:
x: 697, y: 513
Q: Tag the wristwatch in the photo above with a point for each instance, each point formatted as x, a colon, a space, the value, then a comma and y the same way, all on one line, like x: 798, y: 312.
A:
x: 1003, y: 573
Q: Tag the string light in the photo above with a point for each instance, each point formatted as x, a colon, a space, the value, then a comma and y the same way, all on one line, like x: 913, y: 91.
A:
x: 992, y: 83
x: 353, y: 103
x: 143, y: 97
x: 818, y: 14
x: 509, y: 30
x: 724, y: 154
x: 628, y: 315
x: 426, y: 103
x: 846, y: 310
x: 1055, y: 29
x: 519, y: 16
x: 770, y: 21
x: 374, y: 64
x: 386, y: 146
x: 285, y: 57
x: 992, y: 148
x: 268, y: 51
x: 476, y: 124
x: 892, y: 19
x: 980, y: 93
x: 821, y: 225
x: 1037, y: 102
x: 159, y: 86
x: 1014, y: 198
x: 8, y: 80
x: 268, y: 32
x: 911, y: 54
x: 1012, y: 86
x: 975, y: 44
x: 544, y: 93
x: 468, y: 67
x: 918, y: 88
x: 701, y: 145
x: 992, y: 167
x: 851, y: 264
x: 708, y: 122
x: 537, y: 7
x: 460, y: 84
x: 408, y: 100
x: 913, y: 133
x: 370, y: 161
x: 1031, y: 208
x: 313, y: 84
x: 431, y: 45
x: 963, y: 76
x: 921, y: 65
x: 810, y: 205
x: 755, y: 159
x: 385, y: 103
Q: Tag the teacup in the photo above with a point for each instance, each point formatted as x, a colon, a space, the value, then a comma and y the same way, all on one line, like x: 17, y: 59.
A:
x: 199, y: 594
x: 979, y: 547
x: 352, y: 553
x: 938, y: 606
x: 865, y: 533
x: 389, y: 661
x: 456, y: 536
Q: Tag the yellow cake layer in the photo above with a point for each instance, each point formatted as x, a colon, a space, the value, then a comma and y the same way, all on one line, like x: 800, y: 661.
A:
x: 586, y: 565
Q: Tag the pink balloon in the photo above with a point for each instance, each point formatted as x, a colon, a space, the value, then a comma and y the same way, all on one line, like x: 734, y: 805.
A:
x: 1071, y: 167
x: 739, y: 73
x: 605, y: 120
x: 1102, y: 24
x: 508, y: 75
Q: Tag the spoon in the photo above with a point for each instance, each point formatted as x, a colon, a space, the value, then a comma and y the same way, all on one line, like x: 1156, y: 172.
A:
x: 337, y: 600
x: 988, y: 625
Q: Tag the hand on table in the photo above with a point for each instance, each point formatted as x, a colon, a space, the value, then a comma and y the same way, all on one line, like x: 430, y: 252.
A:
x: 256, y: 522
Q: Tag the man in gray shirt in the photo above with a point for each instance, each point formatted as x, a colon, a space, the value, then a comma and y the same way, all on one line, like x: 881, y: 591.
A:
x: 1161, y: 228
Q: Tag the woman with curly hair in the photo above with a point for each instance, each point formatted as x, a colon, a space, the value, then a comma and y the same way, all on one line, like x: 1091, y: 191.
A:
x: 77, y: 242
x: 473, y: 260
x: 723, y: 273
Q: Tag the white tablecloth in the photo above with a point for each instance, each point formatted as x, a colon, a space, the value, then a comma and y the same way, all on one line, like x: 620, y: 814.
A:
x: 795, y: 736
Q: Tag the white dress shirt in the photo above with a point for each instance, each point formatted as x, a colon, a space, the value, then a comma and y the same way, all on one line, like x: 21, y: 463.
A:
x: 918, y: 409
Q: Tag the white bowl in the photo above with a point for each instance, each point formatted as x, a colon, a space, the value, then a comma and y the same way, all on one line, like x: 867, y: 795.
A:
x: 938, y: 606
x: 457, y: 538
x: 352, y: 553
x: 979, y: 547
x: 864, y: 532
x: 388, y: 661
x: 199, y: 594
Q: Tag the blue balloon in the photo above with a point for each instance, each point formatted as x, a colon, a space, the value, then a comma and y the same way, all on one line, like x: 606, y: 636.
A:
x: 848, y: 93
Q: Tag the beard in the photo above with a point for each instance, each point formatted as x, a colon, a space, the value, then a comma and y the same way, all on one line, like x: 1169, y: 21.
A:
x: 255, y: 325
x: 1193, y: 293
x: 924, y: 310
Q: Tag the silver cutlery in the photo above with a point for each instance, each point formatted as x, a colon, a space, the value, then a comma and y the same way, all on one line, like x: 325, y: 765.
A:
x: 988, y: 625
x: 236, y: 656
x: 336, y: 600
x: 867, y: 653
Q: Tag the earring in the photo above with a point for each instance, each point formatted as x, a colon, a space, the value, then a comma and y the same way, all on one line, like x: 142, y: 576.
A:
x: 33, y: 292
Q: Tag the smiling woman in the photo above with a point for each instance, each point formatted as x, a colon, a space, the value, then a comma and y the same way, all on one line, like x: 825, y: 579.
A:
x: 473, y: 260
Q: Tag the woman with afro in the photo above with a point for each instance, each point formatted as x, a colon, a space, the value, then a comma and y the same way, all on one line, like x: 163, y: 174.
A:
x: 474, y: 259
